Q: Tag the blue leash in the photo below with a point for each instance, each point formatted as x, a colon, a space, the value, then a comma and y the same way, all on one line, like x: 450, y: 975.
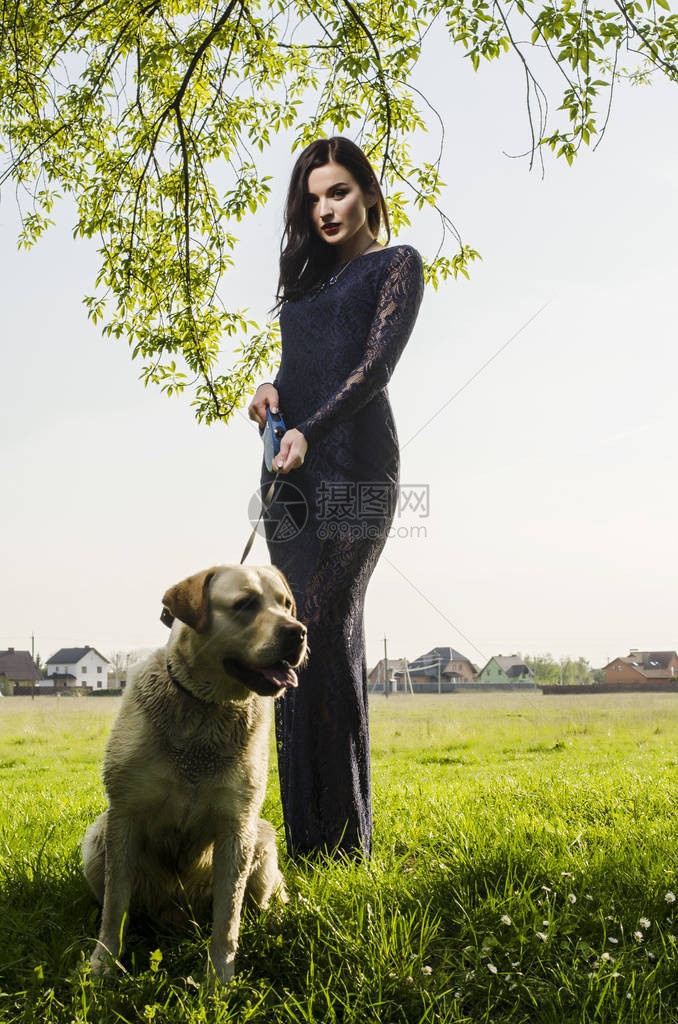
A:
x: 271, y: 435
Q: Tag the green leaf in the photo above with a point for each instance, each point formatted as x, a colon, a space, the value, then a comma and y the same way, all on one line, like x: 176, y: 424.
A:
x: 160, y: 136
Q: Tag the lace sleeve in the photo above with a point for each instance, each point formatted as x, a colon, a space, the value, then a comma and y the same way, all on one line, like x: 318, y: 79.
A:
x: 397, y: 307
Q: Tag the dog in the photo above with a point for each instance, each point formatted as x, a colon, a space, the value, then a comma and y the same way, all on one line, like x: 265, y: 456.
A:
x: 186, y: 764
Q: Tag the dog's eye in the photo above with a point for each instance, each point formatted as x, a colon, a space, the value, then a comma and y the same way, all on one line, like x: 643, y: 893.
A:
x: 246, y: 604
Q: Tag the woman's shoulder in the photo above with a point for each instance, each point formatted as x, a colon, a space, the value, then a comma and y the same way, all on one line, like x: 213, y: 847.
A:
x: 403, y: 262
x: 402, y: 255
x: 401, y: 251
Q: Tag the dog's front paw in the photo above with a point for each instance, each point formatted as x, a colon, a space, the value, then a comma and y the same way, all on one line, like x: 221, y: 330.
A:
x: 275, y: 905
x: 101, y: 962
x: 220, y: 970
x: 281, y: 895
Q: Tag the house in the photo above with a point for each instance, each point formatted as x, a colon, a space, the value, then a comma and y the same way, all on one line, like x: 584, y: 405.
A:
x: 439, y: 669
x: 58, y: 681
x: 392, y: 670
x: 459, y: 669
x: 506, y: 669
x: 17, y: 668
x: 642, y: 667
x: 84, y: 665
x: 117, y: 679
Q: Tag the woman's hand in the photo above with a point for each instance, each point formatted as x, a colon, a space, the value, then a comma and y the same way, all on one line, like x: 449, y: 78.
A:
x: 293, y: 448
x: 265, y: 395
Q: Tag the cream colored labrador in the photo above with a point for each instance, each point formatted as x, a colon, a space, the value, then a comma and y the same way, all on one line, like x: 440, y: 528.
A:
x: 186, y: 763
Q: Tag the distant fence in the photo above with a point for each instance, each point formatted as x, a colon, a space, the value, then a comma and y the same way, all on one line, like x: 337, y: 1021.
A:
x: 448, y: 686
x: 500, y: 687
x: 657, y: 686
x: 51, y: 691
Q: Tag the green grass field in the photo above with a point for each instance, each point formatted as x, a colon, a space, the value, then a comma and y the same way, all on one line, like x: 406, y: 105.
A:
x: 526, y: 861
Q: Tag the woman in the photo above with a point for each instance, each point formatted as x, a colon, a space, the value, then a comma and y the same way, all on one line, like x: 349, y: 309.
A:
x: 348, y: 306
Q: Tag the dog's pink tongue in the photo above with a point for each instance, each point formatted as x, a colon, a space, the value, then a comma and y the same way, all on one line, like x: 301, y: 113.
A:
x: 286, y: 677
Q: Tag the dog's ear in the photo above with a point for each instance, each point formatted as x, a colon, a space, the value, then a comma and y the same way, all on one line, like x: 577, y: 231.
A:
x: 189, y: 600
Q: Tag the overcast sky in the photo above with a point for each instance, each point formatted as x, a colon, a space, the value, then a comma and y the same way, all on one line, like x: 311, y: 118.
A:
x: 552, y: 484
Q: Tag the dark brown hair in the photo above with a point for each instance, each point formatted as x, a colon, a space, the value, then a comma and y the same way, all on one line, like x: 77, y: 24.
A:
x: 305, y: 260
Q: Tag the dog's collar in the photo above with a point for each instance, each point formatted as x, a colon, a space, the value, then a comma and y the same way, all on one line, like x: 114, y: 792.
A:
x: 180, y: 686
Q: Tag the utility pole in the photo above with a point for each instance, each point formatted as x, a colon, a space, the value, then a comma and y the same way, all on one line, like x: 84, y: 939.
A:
x: 439, y: 689
x: 386, y: 680
x: 33, y: 646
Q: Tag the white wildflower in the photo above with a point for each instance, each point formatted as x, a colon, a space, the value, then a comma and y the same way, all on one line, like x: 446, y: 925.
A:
x: 485, y: 950
x: 426, y: 969
x: 611, y: 939
x: 615, y: 974
x: 650, y: 955
x: 505, y: 919
x: 542, y: 936
x: 572, y: 898
x: 546, y: 888
x: 545, y: 923
x: 515, y: 964
x: 670, y: 897
x: 589, y: 898
x: 606, y: 957
x: 671, y: 937
x: 566, y: 874
x: 492, y: 969
x: 644, y: 923
x: 638, y: 936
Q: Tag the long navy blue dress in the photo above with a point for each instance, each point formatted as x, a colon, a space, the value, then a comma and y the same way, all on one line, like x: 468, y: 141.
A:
x: 327, y: 527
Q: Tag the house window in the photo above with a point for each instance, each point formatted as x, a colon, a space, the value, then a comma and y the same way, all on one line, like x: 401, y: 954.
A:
x: 84, y: 668
x: 98, y: 668
x: 98, y: 684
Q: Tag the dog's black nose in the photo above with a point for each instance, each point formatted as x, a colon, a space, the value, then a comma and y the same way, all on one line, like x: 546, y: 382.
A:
x: 294, y: 637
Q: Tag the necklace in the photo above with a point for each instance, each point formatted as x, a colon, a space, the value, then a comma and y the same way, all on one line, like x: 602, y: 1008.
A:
x: 335, y: 277
x: 319, y: 289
